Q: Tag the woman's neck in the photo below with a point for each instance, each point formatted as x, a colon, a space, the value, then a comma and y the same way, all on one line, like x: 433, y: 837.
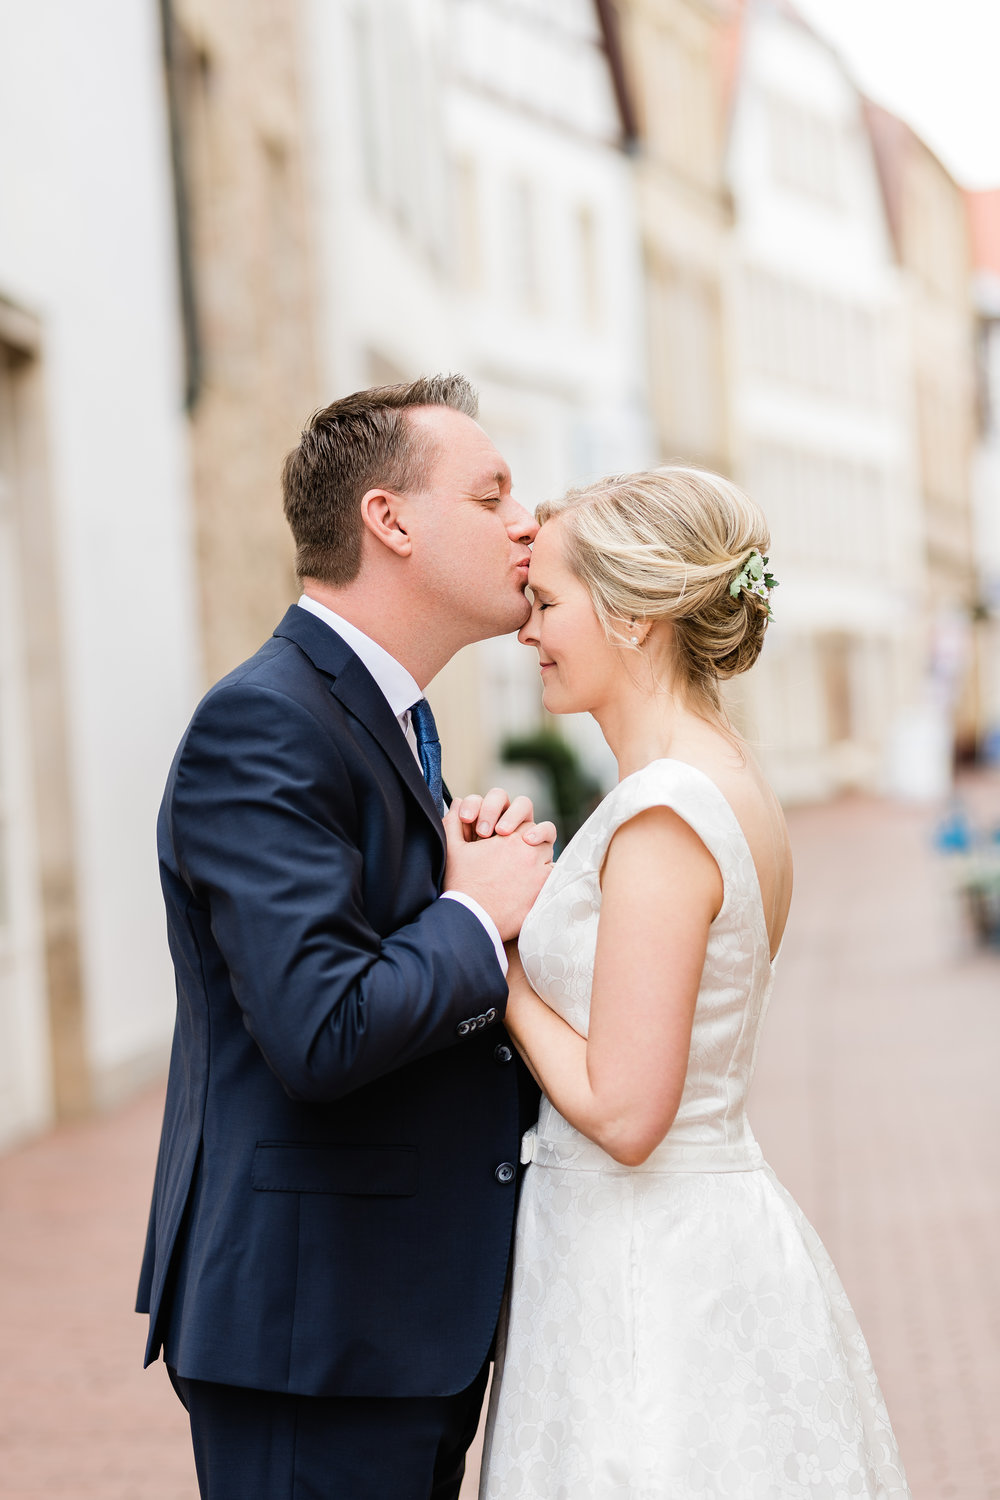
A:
x: 657, y: 724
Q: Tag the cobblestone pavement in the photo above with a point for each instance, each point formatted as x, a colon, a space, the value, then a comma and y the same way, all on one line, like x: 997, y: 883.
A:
x: 876, y: 1102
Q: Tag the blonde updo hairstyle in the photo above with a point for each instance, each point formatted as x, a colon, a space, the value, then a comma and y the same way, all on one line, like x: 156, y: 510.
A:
x: 666, y: 545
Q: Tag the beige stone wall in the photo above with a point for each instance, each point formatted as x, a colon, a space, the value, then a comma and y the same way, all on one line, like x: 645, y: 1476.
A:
x: 671, y: 53
x: 237, y: 103
x: 934, y: 248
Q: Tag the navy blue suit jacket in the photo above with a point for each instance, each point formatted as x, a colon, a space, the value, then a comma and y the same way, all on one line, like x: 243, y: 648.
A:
x: 333, y: 1204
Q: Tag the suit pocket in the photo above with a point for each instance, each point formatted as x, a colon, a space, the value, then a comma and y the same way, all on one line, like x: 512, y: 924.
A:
x: 368, y: 1171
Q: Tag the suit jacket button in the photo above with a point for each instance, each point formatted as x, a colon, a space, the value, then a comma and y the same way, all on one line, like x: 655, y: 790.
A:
x: 502, y: 1054
x: 504, y: 1173
x: 463, y: 1028
x: 491, y: 1015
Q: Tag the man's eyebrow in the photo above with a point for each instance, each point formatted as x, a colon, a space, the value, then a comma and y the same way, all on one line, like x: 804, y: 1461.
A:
x: 500, y: 477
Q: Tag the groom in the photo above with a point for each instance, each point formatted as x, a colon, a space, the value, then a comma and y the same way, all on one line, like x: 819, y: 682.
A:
x: 334, y: 1195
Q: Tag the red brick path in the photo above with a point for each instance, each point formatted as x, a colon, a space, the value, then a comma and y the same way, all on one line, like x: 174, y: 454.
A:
x: 876, y: 1101
x: 79, y: 1418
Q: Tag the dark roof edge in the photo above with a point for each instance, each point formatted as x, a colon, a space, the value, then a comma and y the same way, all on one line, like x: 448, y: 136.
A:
x: 610, y: 24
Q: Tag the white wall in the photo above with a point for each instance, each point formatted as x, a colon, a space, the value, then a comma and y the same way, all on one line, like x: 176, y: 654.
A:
x: 86, y: 243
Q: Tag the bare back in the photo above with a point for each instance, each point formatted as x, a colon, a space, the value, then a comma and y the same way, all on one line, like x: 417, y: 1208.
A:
x: 729, y: 763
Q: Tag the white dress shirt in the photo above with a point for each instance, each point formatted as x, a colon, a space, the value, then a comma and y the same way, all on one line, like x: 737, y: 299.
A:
x: 400, y: 691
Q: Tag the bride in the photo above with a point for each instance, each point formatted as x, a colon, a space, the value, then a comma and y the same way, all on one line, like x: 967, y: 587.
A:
x: 675, y: 1328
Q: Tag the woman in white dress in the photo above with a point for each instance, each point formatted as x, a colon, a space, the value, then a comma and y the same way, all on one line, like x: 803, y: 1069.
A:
x: 676, y: 1330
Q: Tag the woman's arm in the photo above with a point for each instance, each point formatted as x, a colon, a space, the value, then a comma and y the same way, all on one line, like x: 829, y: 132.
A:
x: 622, y: 1085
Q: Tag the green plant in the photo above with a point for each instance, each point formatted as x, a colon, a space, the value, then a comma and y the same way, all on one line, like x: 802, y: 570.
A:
x: 575, y: 793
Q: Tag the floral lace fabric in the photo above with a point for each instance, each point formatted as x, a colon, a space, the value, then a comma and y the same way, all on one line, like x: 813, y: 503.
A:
x: 675, y: 1331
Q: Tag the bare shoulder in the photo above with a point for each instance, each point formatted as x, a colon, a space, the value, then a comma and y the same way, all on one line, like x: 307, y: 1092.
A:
x: 656, y: 857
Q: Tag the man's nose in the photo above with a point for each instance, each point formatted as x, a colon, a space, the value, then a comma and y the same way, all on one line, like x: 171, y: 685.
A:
x: 522, y: 526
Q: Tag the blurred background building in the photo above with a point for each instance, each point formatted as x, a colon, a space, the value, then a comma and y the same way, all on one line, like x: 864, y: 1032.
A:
x: 99, y: 631
x: 649, y: 230
x: 984, y: 226
x: 928, y: 220
x: 823, y: 427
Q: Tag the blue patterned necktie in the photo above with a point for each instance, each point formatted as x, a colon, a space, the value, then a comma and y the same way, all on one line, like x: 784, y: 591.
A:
x: 429, y: 749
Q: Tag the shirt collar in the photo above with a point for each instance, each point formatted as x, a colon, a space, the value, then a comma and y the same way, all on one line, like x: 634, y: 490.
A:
x: 398, y: 688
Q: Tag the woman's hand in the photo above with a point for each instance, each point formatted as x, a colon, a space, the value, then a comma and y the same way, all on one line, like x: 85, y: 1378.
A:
x: 496, y: 813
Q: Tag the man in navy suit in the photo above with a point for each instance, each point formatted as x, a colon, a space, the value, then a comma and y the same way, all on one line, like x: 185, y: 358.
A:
x: 334, y: 1196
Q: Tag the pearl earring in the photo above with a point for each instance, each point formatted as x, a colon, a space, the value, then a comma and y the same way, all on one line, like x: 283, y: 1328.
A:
x: 635, y: 640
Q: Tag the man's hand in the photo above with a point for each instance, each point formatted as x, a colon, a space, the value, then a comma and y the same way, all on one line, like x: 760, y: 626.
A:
x: 504, y: 875
x: 482, y: 817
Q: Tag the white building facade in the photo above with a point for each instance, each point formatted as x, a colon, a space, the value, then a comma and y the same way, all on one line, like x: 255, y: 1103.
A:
x: 822, y: 413
x: 478, y: 214
x: 98, y: 656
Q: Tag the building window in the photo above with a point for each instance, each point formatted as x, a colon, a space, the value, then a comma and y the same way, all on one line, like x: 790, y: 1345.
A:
x: 589, y: 261
x: 806, y: 151
x: 835, y: 662
x: 802, y: 335
x: 398, y: 105
x: 468, y: 222
x: 525, y: 271
x: 685, y: 333
x: 823, y: 510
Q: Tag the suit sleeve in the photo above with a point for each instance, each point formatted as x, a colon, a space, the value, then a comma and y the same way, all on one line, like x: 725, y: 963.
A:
x: 262, y: 828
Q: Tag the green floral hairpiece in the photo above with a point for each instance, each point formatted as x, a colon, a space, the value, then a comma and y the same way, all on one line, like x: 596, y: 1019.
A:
x: 755, y: 579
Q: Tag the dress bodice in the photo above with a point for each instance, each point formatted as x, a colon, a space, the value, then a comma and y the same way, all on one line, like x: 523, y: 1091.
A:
x: 558, y: 943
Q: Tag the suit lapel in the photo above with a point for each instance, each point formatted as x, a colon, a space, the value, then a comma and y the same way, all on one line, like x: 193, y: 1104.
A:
x: 354, y: 686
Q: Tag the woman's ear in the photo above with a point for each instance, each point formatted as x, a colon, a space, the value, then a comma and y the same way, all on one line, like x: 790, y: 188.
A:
x: 635, y: 631
x: 381, y: 512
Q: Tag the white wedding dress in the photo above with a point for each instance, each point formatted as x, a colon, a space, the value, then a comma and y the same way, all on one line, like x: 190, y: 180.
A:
x: 675, y: 1331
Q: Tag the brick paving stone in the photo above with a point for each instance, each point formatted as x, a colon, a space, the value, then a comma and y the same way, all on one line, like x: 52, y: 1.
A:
x: 875, y: 1101
x: 79, y: 1417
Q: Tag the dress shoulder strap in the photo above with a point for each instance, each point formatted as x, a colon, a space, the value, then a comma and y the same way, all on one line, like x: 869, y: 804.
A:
x: 688, y: 792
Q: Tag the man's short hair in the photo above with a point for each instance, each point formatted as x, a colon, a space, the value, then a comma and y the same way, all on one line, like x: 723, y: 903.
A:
x: 356, y: 444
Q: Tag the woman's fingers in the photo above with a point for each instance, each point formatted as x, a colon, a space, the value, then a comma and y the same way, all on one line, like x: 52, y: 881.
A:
x: 539, y: 833
x: 517, y: 815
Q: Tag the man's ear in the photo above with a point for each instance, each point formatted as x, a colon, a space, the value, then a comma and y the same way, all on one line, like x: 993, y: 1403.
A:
x: 381, y: 512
